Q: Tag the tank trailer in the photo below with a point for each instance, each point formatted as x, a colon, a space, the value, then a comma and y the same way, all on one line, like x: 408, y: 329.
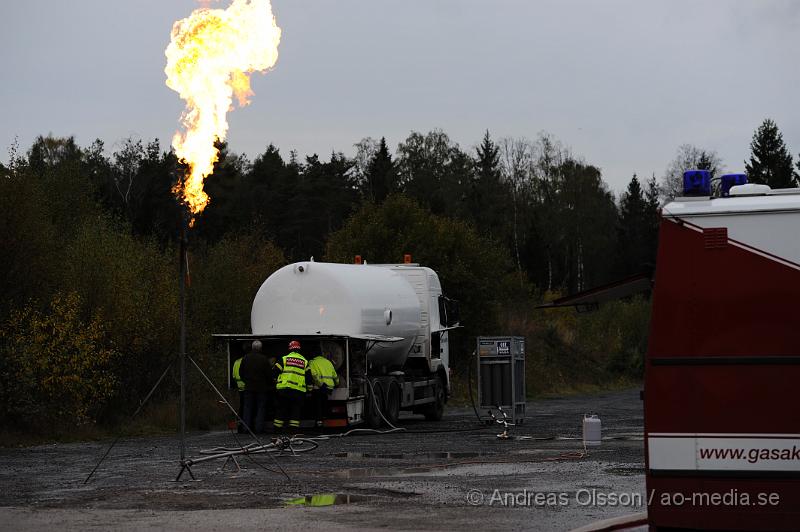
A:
x: 385, y: 327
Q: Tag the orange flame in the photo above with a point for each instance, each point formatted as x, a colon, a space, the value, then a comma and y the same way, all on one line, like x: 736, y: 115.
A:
x: 209, y: 60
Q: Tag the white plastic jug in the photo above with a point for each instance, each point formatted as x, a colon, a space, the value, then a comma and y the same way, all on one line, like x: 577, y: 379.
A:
x: 592, y: 432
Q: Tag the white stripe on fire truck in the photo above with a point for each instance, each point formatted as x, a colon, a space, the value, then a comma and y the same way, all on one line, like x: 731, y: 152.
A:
x: 750, y: 453
x: 719, y: 435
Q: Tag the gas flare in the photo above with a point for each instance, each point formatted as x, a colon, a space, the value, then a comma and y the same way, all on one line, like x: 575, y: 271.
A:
x: 209, y: 61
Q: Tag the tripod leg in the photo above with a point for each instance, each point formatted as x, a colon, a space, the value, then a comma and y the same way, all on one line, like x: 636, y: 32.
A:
x: 180, y: 473
x: 233, y: 459
x: 185, y: 466
x: 147, y: 398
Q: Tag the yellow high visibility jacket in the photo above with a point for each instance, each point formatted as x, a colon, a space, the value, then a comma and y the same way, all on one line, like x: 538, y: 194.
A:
x: 236, y: 376
x: 323, y: 372
x: 293, y: 368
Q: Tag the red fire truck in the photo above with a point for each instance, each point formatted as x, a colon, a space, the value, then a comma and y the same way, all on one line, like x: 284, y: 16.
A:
x: 722, y: 377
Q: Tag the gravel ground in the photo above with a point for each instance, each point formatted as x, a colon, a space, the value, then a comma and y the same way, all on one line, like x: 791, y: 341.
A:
x: 415, y: 480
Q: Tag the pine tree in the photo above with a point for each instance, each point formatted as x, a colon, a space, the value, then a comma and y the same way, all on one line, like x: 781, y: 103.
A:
x: 770, y: 161
x: 488, y: 197
x: 633, y: 248
x: 488, y: 161
x: 652, y: 219
x: 381, y: 174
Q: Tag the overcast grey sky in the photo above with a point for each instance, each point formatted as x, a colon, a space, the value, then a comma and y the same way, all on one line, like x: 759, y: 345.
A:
x: 623, y: 83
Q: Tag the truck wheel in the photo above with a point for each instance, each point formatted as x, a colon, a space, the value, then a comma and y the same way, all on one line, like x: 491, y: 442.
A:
x: 435, y: 410
x: 372, y: 414
x: 392, y: 411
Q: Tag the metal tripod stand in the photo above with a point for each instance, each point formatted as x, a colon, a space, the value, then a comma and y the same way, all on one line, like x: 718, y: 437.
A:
x: 185, y: 464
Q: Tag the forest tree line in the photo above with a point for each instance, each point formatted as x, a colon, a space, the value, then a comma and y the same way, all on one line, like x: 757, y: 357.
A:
x: 89, y: 237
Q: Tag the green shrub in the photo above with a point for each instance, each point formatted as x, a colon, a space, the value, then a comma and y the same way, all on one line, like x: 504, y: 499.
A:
x: 132, y: 286
x: 58, y: 368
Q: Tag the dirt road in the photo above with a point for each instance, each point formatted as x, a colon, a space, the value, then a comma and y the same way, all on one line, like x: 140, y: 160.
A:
x: 420, y: 479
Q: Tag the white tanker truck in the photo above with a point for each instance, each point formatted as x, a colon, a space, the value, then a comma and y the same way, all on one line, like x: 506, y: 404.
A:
x: 385, y: 326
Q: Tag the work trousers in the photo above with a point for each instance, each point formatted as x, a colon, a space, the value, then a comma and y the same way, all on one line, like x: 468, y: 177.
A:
x: 289, y: 408
x: 255, y: 410
x: 241, y: 412
x: 320, y: 399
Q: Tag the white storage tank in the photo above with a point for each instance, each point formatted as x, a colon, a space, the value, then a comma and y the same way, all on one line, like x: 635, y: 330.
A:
x: 317, y: 298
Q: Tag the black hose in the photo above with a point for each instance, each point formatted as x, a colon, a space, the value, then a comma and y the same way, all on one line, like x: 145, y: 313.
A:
x: 469, y: 385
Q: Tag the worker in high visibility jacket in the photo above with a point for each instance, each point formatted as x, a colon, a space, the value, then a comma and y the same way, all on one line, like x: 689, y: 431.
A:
x: 293, y: 374
x: 324, y: 379
x: 240, y: 386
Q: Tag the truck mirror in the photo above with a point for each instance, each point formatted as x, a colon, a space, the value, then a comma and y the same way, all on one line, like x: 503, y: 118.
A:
x: 448, y: 311
x: 453, y: 314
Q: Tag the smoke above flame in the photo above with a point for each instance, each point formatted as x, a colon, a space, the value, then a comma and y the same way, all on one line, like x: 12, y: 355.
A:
x: 209, y: 61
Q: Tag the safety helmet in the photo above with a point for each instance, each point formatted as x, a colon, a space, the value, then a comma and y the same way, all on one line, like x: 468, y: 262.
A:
x: 294, y: 345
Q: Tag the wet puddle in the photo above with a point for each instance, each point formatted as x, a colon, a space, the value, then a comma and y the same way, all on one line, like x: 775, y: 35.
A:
x: 370, y: 472
x: 325, y: 499
x: 630, y: 436
x: 402, y: 456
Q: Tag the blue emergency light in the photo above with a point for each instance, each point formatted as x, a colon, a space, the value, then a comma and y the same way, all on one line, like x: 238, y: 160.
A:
x: 697, y: 183
x: 731, y: 180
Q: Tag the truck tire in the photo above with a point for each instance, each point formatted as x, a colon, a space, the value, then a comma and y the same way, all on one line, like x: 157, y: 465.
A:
x: 435, y: 410
x: 372, y: 412
x: 392, y: 411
